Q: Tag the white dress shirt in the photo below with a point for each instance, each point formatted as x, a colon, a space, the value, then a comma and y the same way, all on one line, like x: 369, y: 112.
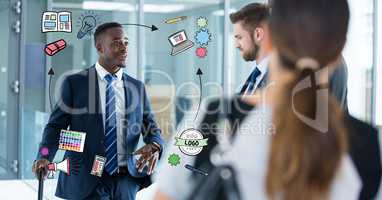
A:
x: 120, y: 108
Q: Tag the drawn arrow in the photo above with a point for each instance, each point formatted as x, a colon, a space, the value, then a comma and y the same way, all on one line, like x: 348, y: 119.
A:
x: 152, y: 27
x: 50, y: 73
x: 199, y: 73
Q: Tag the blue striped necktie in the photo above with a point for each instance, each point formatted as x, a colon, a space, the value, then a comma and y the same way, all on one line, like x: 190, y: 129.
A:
x: 111, y: 165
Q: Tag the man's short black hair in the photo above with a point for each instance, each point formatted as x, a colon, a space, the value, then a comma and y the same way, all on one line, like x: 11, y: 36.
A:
x: 103, y: 27
x: 251, y: 15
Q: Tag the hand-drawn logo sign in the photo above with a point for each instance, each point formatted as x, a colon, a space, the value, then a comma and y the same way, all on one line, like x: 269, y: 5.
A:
x: 191, y: 142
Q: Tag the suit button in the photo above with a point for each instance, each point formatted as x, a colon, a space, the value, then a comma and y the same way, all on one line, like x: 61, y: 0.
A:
x: 101, y: 142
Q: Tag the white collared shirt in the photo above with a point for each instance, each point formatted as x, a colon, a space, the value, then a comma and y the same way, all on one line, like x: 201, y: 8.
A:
x: 263, y: 67
x: 120, y: 108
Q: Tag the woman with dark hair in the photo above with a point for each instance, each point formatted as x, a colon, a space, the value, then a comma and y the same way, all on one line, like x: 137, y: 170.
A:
x: 306, y: 157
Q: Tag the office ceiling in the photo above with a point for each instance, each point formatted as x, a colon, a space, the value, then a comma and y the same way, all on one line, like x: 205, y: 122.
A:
x: 160, y: 6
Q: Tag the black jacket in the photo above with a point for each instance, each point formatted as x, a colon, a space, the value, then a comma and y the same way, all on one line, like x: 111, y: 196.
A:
x: 365, y: 153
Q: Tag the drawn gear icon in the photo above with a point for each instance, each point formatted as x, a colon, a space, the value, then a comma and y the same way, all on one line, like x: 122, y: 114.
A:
x: 174, y: 159
x: 202, y: 22
x: 201, y: 52
x: 202, y: 37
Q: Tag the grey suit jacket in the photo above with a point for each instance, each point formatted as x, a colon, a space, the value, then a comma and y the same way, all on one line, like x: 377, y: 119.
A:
x: 338, y: 84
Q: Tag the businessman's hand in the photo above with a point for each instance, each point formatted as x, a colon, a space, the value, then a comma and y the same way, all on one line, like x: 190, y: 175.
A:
x: 40, y: 166
x: 149, y: 155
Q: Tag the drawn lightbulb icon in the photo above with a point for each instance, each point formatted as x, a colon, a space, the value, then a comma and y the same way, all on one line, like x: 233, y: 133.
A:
x: 88, y: 24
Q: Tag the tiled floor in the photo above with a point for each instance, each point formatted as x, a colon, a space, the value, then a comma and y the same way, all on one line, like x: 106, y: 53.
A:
x: 27, y: 189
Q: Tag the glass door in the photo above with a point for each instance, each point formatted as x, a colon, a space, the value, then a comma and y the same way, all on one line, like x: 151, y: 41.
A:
x: 10, y: 12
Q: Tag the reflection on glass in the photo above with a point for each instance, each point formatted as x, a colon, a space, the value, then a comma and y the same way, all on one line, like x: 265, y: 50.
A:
x: 358, y: 54
x: 172, y: 80
x: 378, y: 75
x: 4, y: 35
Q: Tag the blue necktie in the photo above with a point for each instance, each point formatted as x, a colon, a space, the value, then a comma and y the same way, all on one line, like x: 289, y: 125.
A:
x: 251, y: 84
x: 111, y: 165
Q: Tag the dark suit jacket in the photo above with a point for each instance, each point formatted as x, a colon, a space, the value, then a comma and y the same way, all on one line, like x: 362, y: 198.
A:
x: 365, y: 153
x: 79, y: 108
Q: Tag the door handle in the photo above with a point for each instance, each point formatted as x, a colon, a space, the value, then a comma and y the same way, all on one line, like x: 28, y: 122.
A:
x: 15, y: 166
x: 15, y: 86
x: 17, y: 7
x: 17, y: 26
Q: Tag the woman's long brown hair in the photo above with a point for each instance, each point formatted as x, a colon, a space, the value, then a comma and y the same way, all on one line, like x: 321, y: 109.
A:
x: 304, y: 160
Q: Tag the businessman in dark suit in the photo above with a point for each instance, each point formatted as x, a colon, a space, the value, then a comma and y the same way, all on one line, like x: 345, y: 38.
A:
x: 251, y: 32
x: 114, y: 111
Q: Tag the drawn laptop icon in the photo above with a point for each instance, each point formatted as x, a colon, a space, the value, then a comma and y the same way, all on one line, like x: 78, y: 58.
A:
x: 179, y: 42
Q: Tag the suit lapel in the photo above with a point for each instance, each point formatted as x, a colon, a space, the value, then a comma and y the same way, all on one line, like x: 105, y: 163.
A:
x: 94, y: 106
x: 126, y: 86
x: 263, y: 81
x: 245, y: 85
x: 128, y: 111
